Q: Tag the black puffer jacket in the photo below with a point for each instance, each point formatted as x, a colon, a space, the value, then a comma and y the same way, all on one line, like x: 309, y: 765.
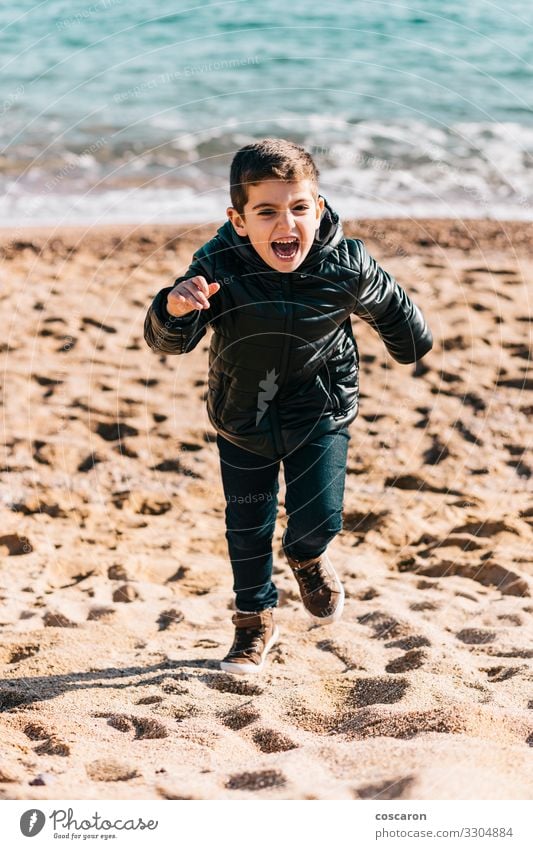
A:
x: 283, y: 360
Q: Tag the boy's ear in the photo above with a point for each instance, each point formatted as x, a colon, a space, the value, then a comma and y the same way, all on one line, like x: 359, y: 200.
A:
x: 236, y: 220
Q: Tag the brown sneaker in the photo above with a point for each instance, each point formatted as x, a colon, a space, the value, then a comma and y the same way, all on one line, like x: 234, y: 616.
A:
x: 255, y: 634
x: 321, y: 591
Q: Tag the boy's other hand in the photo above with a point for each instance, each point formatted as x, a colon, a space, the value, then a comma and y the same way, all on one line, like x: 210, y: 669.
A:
x: 189, y: 295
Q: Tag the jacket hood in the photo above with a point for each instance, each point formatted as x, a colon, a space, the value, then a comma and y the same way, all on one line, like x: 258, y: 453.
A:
x: 328, y: 235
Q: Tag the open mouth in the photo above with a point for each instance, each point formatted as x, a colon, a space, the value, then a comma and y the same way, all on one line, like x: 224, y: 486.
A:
x: 286, y: 249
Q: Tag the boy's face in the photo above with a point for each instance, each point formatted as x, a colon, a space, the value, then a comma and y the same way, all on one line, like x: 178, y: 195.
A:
x: 278, y: 210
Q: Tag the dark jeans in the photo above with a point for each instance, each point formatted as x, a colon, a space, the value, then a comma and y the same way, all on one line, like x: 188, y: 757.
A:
x: 315, y: 475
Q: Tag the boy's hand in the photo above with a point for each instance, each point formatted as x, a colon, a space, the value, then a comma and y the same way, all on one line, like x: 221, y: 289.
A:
x: 189, y: 295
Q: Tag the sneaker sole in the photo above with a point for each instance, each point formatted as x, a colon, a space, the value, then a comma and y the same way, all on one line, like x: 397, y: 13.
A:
x: 250, y: 668
x: 333, y: 617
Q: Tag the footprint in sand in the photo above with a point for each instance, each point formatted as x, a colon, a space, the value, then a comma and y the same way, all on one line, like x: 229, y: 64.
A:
x: 522, y: 469
x: 455, y: 343
x: 466, y: 433
x: 413, y: 659
x: 424, y: 605
x: 367, y: 594
x: 43, y: 380
x: 344, y: 651
x: 486, y: 528
x: 317, y: 722
x: 186, y: 710
x: 172, y: 687
x: 474, y: 720
x: 365, y: 693
x: 449, y: 377
x: 383, y: 625
x: 526, y: 654
x: 511, y: 618
x: 469, y: 596
x: 228, y: 684
x: 145, y: 727
x: 427, y: 585
x: 521, y: 351
x: 487, y: 572
x: 14, y: 545
x: 496, y: 674
x: 110, y: 770
x: 174, y: 794
x: 51, y: 744
x: 31, y: 504
x: 14, y: 654
x: 486, y: 270
x: 191, y: 446
x: 415, y: 482
x: 476, y: 636
x: 470, y: 399
x: 68, y: 343
x: 175, y: 465
x: 90, y: 462
x: 408, y: 643
x: 523, y: 383
x: 169, y: 618
x: 111, y: 431
x: 393, y: 788
x: 378, y: 691
x: 360, y: 522
x: 258, y: 780
x: 437, y: 453
x: 269, y: 741
x: 101, y: 613
x: 91, y: 322
x: 239, y: 718
x: 57, y: 620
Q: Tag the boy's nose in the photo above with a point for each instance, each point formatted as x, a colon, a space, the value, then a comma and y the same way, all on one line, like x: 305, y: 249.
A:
x: 287, y: 218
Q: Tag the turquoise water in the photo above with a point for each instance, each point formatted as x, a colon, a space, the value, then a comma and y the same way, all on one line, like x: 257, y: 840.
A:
x: 112, y: 111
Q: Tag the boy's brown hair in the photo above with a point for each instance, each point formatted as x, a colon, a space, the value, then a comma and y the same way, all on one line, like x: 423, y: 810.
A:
x: 271, y: 159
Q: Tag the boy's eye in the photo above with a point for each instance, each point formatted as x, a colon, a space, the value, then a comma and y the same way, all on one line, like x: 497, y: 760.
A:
x: 270, y: 211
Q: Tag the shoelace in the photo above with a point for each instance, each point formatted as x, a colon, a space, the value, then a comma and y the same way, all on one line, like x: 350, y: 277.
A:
x: 247, y: 641
x: 311, y: 578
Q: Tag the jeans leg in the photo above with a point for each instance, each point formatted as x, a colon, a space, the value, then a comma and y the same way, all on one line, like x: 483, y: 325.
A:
x: 250, y: 487
x: 315, y: 477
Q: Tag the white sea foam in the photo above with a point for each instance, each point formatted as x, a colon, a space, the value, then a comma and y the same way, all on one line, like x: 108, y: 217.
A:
x: 152, y: 206
x: 367, y: 169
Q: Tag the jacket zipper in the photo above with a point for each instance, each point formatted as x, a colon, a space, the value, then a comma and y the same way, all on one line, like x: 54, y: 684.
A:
x: 287, y: 329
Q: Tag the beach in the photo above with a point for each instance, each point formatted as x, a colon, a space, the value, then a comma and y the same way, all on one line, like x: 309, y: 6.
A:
x: 115, y: 583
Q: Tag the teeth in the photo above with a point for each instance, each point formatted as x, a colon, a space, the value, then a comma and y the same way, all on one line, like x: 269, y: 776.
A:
x: 285, y: 241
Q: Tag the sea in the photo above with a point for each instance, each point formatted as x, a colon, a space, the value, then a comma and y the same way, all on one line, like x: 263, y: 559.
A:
x: 121, y: 111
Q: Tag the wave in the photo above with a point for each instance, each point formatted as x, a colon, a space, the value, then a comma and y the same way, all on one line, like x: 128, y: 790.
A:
x: 367, y: 169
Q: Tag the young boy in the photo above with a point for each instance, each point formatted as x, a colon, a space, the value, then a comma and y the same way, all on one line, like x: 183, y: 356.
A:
x: 278, y: 284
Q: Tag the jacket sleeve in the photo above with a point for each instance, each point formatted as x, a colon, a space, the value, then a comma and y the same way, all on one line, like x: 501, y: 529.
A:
x: 168, y: 334
x: 381, y: 301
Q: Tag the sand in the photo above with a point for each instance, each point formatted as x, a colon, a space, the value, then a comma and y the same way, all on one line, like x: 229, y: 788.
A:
x: 115, y: 585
